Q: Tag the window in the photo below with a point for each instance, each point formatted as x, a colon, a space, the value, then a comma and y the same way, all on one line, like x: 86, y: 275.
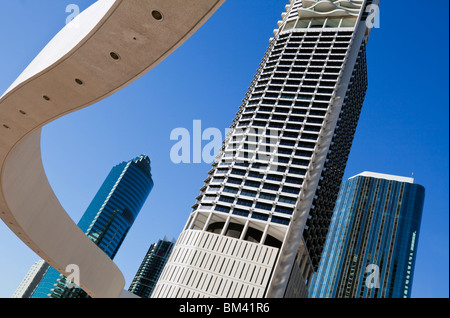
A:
x: 287, y: 200
x: 230, y: 190
x: 267, y: 196
x: 287, y: 143
x: 252, y: 184
x: 303, y: 153
x: 259, y: 216
x: 244, y: 202
x: 222, y: 209
x: 284, y: 151
x: 255, y: 175
x: 284, y: 210
x: 248, y: 193
x: 309, y: 136
x: 264, y: 206
x: 274, y: 177
x: 240, y: 212
x: 276, y: 219
x: 300, y: 162
x: 222, y: 171
x: 234, y: 181
x: 291, y: 190
x: 306, y: 145
x: 290, y: 134
x: 301, y: 172
x: 226, y: 199
x: 269, y: 186
x: 294, y: 180
x: 206, y: 206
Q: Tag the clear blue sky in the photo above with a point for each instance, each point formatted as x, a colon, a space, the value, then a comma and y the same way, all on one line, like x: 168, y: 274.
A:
x: 404, y: 126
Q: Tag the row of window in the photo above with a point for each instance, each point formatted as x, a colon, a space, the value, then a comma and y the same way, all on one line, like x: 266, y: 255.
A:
x: 255, y: 123
x: 295, y: 107
x: 238, y: 179
x: 297, y: 40
x: 245, y: 213
x: 319, y: 55
x: 254, y: 193
x: 292, y: 82
x: 285, y: 106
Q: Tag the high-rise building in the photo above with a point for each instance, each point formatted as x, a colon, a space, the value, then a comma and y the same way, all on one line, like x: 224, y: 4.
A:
x: 107, y: 220
x: 372, y: 243
x: 261, y: 219
x: 151, y: 268
x: 31, y: 280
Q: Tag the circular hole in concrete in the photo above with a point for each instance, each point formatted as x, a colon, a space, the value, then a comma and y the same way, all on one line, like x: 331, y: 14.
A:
x: 157, y: 15
x: 78, y: 81
x: 46, y: 97
x: 115, y: 56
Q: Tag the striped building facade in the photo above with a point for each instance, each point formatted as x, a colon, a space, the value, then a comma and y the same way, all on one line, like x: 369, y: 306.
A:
x: 372, y: 243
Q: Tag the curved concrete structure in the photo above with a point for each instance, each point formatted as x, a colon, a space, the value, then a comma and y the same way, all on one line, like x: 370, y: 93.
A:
x: 105, y: 48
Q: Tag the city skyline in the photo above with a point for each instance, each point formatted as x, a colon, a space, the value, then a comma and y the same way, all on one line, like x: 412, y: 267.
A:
x: 226, y: 92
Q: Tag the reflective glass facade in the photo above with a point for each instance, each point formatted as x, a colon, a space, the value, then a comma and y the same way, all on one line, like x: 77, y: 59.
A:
x: 151, y: 268
x: 108, y: 219
x: 372, y: 242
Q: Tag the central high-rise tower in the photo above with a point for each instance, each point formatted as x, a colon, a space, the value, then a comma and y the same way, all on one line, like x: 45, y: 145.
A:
x: 261, y: 220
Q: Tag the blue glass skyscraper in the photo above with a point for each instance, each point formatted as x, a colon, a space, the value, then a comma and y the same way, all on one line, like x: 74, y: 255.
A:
x: 108, y: 218
x: 371, y: 245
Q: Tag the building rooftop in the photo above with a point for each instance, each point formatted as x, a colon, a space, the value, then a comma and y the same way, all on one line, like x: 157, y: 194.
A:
x: 384, y: 176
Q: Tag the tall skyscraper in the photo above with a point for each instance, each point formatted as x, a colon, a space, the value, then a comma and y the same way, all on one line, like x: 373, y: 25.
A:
x: 107, y: 220
x: 371, y: 247
x: 31, y: 280
x: 261, y: 219
x: 151, y: 268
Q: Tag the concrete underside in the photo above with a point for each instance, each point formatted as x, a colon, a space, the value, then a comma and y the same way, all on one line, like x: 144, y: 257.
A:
x: 110, y: 45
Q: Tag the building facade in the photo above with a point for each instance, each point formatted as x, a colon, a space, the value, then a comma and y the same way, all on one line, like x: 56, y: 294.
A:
x: 151, y: 268
x: 260, y: 222
x: 372, y: 243
x: 107, y: 220
x: 31, y: 280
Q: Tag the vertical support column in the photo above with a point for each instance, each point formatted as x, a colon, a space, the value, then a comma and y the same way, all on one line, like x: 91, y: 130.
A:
x: 225, y: 226
x: 208, y: 221
x: 244, y: 230
x: 263, y: 237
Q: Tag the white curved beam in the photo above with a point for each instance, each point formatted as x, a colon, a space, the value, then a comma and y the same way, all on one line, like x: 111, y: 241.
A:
x: 105, y: 48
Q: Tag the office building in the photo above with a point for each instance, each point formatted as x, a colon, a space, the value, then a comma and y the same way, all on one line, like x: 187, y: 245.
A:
x: 260, y: 222
x: 372, y: 243
x: 31, y: 280
x: 107, y: 220
x: 151, y: 268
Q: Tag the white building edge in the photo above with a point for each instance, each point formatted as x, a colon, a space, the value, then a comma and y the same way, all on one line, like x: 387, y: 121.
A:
x: 391, y: 177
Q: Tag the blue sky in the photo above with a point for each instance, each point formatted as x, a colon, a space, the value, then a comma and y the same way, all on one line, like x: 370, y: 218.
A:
x: 404, y: 125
